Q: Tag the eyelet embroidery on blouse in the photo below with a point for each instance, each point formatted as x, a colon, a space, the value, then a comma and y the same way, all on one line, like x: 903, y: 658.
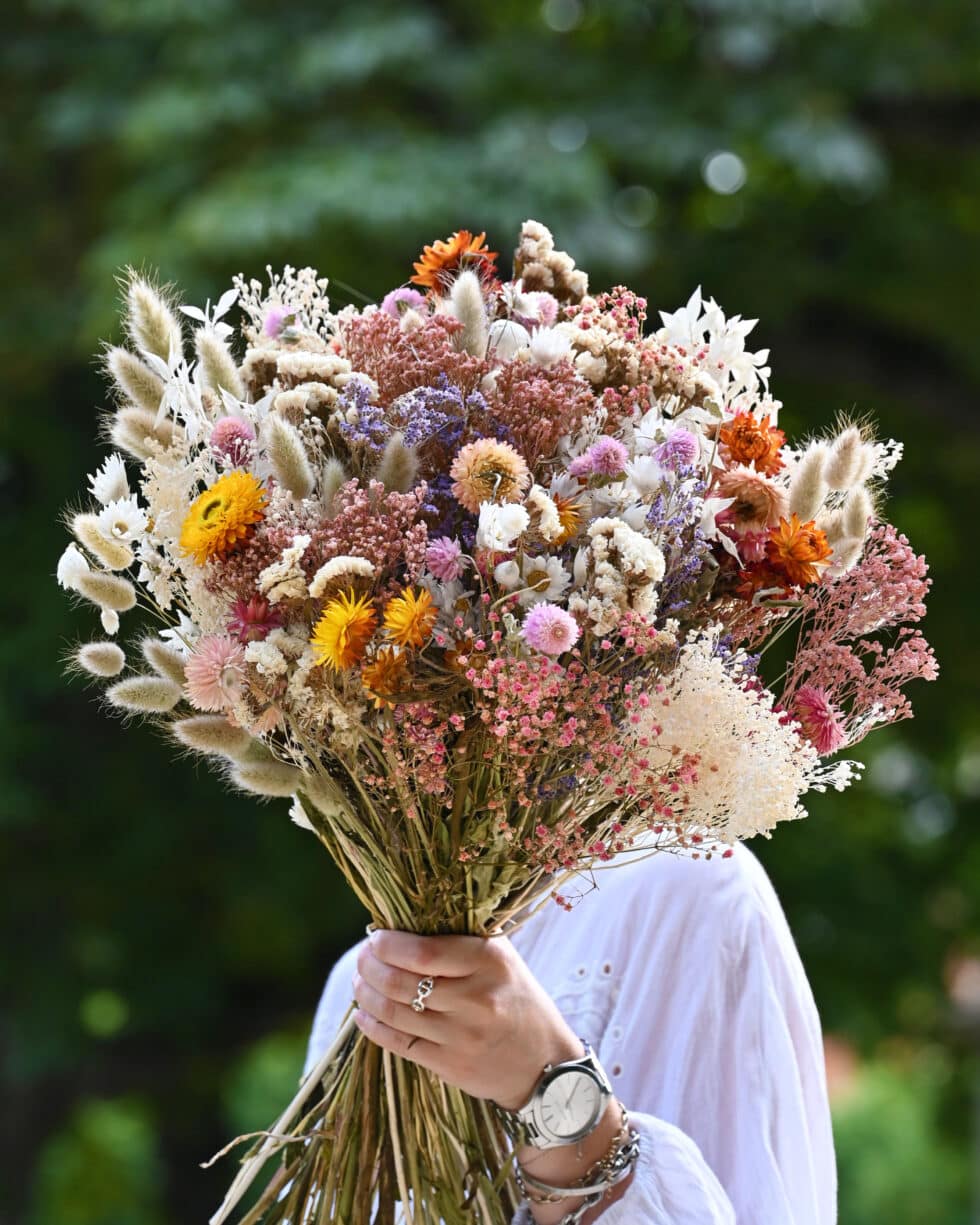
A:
x: 586, y: 997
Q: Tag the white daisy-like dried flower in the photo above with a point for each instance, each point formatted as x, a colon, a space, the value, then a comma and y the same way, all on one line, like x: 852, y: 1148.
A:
x: 110, y: 482
x: 339, y: 567
x: 123, y: 519
x: 499, y: 526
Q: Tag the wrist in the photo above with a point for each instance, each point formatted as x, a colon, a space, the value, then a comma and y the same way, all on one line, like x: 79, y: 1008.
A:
x: 565, y: 1165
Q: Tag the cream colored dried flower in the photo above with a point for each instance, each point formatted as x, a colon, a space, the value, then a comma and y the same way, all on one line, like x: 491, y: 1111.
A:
x: 287, y: 455
x: 147, y: 695
x: 151, y: 324
x: 102, y: 659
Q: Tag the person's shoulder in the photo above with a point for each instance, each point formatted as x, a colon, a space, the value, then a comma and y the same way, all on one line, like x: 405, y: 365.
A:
x: 720, y: 888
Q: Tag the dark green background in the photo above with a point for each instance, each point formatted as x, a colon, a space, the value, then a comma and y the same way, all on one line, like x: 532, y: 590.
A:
x: 164, y: 943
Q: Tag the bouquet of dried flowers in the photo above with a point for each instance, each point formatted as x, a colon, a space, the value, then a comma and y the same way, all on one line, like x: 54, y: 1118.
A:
x: 479, y: 578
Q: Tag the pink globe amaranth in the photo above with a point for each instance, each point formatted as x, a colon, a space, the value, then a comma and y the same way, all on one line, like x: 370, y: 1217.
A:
x: 443, y: 557
x: 550, y: 629
x: 400, y: 300
x: 679, y: 451
x: 232, y: 439
x: 606, y: 457
x: 820, y: 720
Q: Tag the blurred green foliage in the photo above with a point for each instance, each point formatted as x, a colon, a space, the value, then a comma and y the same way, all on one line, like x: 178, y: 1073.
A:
x: 810, y: 162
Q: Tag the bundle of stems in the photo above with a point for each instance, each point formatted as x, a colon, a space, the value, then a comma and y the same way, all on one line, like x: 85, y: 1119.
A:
x: 367, y: 1130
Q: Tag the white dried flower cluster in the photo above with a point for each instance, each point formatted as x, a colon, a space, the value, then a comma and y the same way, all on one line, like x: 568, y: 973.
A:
x: 701, y: 327
x: 617, y: 571
x: 754, y: 766
x: 303, y: 292
x: 343, y: 566
x: 284, y: 579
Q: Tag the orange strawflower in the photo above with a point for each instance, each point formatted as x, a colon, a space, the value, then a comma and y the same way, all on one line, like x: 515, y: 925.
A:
x: 446, y: 256
x: 748, y: 441
x: 384, y: 676
x: 343, y: 632
x: 222, y: 516
x: 409, y: 618
x: 795, y: 548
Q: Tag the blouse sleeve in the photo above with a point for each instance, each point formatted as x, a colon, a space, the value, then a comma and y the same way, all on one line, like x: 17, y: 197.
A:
x: 726, y: 1081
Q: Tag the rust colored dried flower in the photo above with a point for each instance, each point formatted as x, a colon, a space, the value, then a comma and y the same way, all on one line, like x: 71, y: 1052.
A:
x: 745, y: 440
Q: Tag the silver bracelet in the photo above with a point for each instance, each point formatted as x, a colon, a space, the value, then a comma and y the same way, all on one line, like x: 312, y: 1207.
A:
x: 619, y: 1168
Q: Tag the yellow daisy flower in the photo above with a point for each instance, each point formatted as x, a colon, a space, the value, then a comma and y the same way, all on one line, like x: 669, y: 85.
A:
x: 221, y: 517
x: 345, y: 628
x: 409, y: 618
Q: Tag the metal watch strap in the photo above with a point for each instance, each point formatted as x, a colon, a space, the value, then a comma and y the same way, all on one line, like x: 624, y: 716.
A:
x: 520, y: 1125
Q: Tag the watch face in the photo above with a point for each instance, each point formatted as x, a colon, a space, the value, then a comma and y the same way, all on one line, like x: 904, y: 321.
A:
x: 570, y: 1103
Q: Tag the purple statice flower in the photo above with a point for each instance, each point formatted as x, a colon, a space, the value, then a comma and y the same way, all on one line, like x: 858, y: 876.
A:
x: 674, y: 518
x: 550, y: 629
x: 606, y: 457
x: 277, y: 319
x: 680, y: 450
x: 401, y: 300
x: 443, y: 556
x: 370, y: 430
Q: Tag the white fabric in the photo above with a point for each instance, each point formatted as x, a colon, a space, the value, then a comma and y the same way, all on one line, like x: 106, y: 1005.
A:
x: 683, y: 975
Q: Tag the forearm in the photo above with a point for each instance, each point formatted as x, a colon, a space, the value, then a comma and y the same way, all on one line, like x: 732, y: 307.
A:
x: 568, y: 1164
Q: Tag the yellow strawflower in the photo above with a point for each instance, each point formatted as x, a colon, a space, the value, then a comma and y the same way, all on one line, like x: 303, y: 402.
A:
x: 221, y: 517
x: 409, y: 618
x: 345, y: 628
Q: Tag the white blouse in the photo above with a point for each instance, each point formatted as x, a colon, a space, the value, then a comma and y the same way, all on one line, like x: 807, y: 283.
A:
x: 684, y: 977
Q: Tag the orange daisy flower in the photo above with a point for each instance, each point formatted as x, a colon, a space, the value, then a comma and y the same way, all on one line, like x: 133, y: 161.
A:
x: 569, y: 516
x: 748, y: 441
x: 384, y: 676
x: 795, y: 548
x: 447, y: 255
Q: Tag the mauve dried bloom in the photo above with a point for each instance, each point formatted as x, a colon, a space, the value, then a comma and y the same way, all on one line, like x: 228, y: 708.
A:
x: 680, y: 450
x: 860, y: 676
x: 539, y: 406
x: 376, y: 345
x: 443, y: 556
x: 759, y: 502
x: 215, y: 672
x: 252, y: 620
x: 819, y: 720
x: 232, y: 441
x: 550, y: 629
x: 400, y: 300
x: 606, y: 457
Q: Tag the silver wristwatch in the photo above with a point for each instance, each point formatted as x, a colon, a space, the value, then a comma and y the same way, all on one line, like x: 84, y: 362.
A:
x: 566, y: 1105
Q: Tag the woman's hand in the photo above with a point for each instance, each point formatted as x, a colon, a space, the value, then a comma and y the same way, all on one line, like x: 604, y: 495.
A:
x: 488, y: 1026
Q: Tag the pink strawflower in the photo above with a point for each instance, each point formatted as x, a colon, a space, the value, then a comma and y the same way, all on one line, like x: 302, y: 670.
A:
x: 819, y: 719
x: 606, y: 457
x: 215, y: 672
x: 443, y: 557
x: 277, y: 319
x: 759, y: 502
x: 232, y: 439
x: 679, y: 451
x: 253, y: 620
x: 550, y: 629
x: 400, y: 300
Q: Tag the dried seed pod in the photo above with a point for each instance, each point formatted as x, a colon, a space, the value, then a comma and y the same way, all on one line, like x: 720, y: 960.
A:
x: 164, y: 659
x: 268, y: 778
x: 151, y: 324
x: 135, y: 379
x: 398, y: 466
x: 808, y: 487
x: 217, y: 363
x: 287, y: 455
x: 148, y: 695
x: 466, y: 303
x: 108, y: 591
x: 212, y: 735
x: 103, y: 659
x: 113, y: 554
